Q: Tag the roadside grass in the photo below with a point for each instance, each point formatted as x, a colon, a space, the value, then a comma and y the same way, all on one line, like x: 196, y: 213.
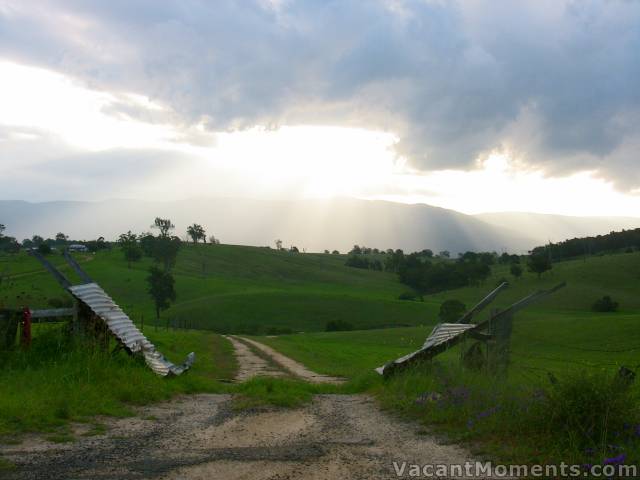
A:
x: 57, y: 381
x: 6, y: 464
x: 260, y: 392
x: 582, y: 419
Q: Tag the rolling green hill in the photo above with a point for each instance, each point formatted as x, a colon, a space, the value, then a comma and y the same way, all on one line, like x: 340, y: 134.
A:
x: 233, y: 289
x: 258, y: 290
x: 557, y: 334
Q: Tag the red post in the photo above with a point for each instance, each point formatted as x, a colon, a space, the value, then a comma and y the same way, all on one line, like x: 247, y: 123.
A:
x: 25, y: 337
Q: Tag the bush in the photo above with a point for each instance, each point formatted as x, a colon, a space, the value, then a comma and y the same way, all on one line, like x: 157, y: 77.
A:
x: 44, y: 249
x: 338, y: 326
x: 451, y: 311
x: 605, y: 304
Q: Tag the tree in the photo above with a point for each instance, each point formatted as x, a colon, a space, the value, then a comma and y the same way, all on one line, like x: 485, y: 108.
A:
x: 539, y: 263
x: 214, y: 241
x: 516, y: 270
x: 278, y: 244
x: 2, y: 229
x: 165, y: 250
x: 294, y: 249
x: 164, y: 225
x: 61, y: 238
x: 44, y: 249
x: 130, y: 247
x: 444, y: 254
x: 37, y: 240
x: 335, y: 252
x: 161, y: 288
x: 196, y: 232
x: 356, y: 250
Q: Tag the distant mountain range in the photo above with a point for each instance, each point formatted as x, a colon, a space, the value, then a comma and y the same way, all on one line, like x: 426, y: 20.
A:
x: 313, y: 225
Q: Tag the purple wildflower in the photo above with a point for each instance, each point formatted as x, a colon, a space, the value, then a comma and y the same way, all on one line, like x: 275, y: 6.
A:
x: 488, y: 413
x: 615, y: 460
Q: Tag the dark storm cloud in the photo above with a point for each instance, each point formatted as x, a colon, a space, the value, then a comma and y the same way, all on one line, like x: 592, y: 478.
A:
x: 555, y: 81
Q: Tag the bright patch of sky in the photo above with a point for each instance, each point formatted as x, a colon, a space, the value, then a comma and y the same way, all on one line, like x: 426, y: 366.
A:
x: 46, y: 115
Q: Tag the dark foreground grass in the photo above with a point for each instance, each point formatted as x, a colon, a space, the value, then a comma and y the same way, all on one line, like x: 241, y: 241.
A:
x: 584, y: 418
x: 58, y: 381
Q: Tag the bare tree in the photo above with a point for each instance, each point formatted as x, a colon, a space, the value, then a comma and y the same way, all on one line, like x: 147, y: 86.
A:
x: 164, y: 225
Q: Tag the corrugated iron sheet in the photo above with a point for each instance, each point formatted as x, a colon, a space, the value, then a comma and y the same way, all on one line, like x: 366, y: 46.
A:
x: 124, y: 329
x: 442, y: 333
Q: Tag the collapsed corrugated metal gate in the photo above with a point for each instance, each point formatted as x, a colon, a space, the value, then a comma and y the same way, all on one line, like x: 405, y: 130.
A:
x: 118, y: 323
x: 447, y: 335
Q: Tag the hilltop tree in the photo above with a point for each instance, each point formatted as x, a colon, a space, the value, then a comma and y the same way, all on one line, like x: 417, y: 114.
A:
x: 37, y: 240
x: 2, y: 229
x: 213, y: 240
x: 61, y: 238
x: 130, y: 247
x: 539, y: 263
x: 164, y: 225
x: 278, y: 244
x: 161, y: 288
x: 196, y: 232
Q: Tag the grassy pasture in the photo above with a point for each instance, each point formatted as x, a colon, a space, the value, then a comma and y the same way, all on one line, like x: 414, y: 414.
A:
x: 233, y: 289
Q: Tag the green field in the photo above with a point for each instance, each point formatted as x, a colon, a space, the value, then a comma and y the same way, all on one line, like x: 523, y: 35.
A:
x: 233, y: 289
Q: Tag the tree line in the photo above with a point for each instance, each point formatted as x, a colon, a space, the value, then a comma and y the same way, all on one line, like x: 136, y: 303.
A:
x: 425, y: 273
x: 624, y: 241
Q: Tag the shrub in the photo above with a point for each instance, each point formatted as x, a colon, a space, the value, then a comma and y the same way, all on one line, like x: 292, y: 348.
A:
x: 451, y: 311
x: 338, y: 326
x: 44, y: 249
x: 605, y: 304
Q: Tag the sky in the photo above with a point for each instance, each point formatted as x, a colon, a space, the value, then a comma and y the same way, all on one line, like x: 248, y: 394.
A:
x: 474, y: 105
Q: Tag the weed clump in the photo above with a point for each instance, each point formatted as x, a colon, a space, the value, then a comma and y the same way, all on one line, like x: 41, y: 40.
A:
x: 605, y: 304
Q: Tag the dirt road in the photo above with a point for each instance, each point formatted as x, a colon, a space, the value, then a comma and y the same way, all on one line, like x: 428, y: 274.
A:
x: 202, y: 437
x: 285, y: 364
x: 251, y: 365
